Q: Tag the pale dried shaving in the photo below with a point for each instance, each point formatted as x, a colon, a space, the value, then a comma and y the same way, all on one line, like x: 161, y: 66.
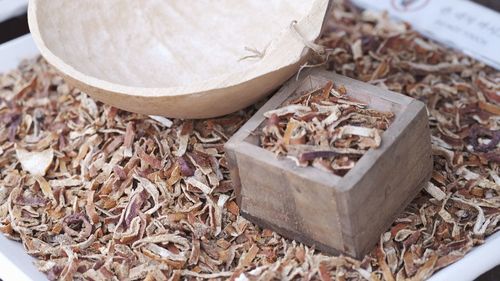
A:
x: 35, y: 163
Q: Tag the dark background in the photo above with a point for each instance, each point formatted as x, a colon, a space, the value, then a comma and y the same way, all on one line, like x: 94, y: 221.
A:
x: 493, y: 4
x: 13, y: 28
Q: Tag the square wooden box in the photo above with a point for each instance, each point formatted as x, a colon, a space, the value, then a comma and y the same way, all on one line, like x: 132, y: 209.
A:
x: 335, y: 214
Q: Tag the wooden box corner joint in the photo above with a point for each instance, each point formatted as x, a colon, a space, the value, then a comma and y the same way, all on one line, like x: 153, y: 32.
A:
x: 332, y: 213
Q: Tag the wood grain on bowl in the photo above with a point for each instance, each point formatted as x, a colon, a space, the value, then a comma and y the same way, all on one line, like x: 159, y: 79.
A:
x: 189, y: 60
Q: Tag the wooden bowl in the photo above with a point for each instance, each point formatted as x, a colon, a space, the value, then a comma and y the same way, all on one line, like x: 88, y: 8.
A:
x: 183, y: 59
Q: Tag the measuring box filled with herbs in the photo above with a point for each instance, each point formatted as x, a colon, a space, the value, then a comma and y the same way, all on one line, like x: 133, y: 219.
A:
x: 324, y: 154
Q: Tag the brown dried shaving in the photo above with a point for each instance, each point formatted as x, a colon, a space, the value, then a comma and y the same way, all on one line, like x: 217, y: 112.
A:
x: 324, y: 128
x: 177, y: 230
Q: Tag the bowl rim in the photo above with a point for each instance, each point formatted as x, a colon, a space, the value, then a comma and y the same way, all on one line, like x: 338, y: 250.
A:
x: 266, y: 65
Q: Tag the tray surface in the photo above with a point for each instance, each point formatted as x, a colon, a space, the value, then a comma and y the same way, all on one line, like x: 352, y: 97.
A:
x: 17, y: 265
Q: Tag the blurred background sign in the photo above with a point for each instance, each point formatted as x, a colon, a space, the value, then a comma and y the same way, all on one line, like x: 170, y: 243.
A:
x: 465, y: 25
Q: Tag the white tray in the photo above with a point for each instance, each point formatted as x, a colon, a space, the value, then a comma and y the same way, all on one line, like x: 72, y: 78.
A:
x: 16, y: 265
x: 14, y: 51
x: 12, y: 8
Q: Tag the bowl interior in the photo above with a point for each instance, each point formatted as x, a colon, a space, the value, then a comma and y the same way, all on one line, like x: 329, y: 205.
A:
x: 161, y: 44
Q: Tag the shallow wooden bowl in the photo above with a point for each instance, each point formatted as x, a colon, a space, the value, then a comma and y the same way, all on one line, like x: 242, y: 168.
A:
x: 185, y: 59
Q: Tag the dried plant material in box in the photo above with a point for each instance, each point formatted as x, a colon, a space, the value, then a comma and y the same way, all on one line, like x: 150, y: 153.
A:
x: 316, y: 206
x: 324, y: 128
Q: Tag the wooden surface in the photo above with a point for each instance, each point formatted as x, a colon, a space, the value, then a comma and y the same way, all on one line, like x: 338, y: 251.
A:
x: 335, y: 214
x: 174, y: 58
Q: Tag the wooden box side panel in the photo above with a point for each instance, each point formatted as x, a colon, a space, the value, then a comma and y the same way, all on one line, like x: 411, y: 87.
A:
x: 289, y: 203
x: 334, y: 213
x: 392, y: 181
x: 230, y: 151
x: 376, y: 97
